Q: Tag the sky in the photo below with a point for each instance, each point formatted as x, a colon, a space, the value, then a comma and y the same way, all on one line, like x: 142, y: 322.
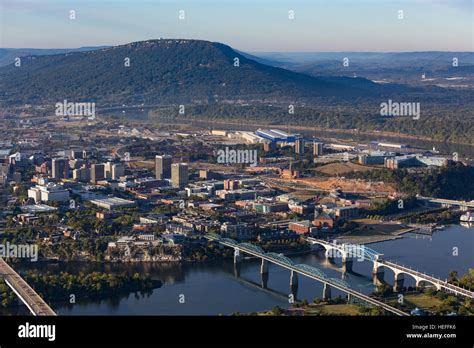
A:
x: 247, y: 25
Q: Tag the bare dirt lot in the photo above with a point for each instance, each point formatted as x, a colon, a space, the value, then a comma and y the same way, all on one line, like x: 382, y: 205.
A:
x: 348, y: 185
x: 342, y: 168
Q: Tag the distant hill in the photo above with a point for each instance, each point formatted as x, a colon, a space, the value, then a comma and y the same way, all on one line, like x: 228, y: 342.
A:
x: 394, y: 67
x: 8, y: 55
x: 380, y: 58
x: 167, y: 71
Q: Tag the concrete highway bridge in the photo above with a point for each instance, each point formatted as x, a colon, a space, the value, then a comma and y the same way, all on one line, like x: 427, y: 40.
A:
x: 350, y: 252
x: 448, y: 203
x: 295, y: 269
x: 27, y: 295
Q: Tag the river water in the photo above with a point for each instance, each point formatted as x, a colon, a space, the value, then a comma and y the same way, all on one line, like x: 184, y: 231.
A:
x: 211, y: 288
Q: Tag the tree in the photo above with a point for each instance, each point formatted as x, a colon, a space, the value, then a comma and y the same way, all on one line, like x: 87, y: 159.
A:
x: 453, y: 276
x: 277, y: 310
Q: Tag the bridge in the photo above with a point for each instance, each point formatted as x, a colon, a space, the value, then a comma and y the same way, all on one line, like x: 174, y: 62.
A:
x: 349, y: 252
x: 34, y: 302
x: 448, y: 203
x: 305, y: 270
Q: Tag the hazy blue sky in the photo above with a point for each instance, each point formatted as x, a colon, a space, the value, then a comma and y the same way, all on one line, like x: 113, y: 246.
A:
x: 249, y: 25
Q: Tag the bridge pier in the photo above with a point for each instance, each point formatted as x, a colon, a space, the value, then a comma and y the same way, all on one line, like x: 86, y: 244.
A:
x: 347, y: 263
x: 377, y: 275
x: 264, y: 273
x: 237, y: 268
x: 237, y: 256
x: 398, y: 282
x: 294, y: 283
x: 330, y: 254
x: 237, y: 262
x: 326, y: 292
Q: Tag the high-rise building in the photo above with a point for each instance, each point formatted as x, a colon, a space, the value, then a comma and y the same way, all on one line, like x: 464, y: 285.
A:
x: 299, y: 146
x: 269, y: 146
x: 81, y: 174
x: 108, y: 170
x: 97, y: 172
x: 118, y: 170
x: 317, y: 149
x: 231, y: 184
x: 179, y: 174
x: 163, y: 166
x: 60, y: 168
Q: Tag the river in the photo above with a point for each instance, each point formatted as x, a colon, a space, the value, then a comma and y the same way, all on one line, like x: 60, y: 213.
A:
x: 211, y: 288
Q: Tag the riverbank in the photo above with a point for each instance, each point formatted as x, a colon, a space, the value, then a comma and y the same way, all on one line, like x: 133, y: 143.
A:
x: 65, y: 287
x: 332, y: 131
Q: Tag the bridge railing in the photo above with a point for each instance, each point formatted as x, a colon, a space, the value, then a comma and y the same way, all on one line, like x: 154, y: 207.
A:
x: 256, y: 249
x: 432, y: 277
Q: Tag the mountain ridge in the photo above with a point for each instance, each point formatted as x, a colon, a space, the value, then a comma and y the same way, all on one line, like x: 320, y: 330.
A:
x: 166, y: 70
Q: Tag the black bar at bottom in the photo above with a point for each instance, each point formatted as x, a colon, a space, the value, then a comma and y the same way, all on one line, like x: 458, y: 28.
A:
x: 142, y: 330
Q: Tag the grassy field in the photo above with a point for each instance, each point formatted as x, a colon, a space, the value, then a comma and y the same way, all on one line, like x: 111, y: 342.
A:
x: 423, y: 301
x: 336, y: 309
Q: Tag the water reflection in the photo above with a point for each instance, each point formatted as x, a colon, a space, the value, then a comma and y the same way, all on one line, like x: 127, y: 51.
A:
x: 220, y: 287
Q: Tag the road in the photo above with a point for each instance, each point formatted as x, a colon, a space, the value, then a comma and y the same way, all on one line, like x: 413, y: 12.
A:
x: 27, y: 295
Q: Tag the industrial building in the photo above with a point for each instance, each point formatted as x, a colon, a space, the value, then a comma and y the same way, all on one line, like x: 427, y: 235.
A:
x: 276, y: 135
x: 415, y: 161
x: 112, y: 203
x: 374, y: 157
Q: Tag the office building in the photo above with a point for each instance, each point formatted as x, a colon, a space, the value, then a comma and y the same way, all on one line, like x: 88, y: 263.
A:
x: 231, y: 184
x: 60, y: 168
x: 163, y: 166
x: 118, y: 170
x: 108, y: 170
x: 81, y: 174
x: 97, y: 172
x: 48, y: 193
x: 299, y: 146
x: 179, y: 174
x: 317, y: 149
x: 268, y: 146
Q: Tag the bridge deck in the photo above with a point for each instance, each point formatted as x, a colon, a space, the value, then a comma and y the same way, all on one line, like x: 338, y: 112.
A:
x: 315, y: 277
x: 442, y: 283
x: 28, y: 296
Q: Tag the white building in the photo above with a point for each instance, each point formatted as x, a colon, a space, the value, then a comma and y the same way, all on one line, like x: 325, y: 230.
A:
x: 48, y: 193
x: 113, y: 203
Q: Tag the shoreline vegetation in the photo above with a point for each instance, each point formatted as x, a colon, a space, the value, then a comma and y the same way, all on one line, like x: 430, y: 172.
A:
x: 426, y: 299
x: 59, y: 288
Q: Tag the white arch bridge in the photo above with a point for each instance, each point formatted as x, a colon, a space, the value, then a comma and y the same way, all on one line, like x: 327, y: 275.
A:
x: 306, y: 270
x: 350, y: 252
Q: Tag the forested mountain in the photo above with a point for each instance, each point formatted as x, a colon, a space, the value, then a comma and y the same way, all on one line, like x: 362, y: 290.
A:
x: 167, y: 71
